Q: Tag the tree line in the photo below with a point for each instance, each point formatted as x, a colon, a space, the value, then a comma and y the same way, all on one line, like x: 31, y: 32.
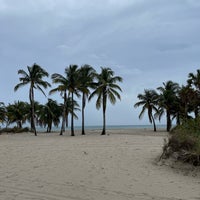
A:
x: 177, y: 102
x: 76, y: 81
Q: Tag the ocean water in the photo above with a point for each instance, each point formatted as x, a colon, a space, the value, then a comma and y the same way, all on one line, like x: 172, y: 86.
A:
x: 108, y: 127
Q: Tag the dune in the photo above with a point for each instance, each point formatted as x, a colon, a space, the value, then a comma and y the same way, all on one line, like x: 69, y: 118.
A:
x: 119, y: 166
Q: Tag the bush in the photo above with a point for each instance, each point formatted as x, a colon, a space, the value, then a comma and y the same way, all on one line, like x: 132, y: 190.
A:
x: 14, y: 130
x: 184, y: 143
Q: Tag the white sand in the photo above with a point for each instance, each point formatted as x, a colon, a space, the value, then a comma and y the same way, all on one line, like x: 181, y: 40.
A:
x: 92, y: 167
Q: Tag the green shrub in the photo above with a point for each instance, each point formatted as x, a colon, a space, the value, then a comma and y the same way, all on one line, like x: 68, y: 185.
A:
x: 184, y: 141
x: 14, y: 130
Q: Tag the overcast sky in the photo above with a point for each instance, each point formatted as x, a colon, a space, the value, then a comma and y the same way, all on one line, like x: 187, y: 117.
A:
x: 146, y: 42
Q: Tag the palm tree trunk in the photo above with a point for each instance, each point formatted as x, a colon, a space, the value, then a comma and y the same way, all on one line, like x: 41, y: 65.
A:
x: 30, y: 99
x: 168, y: 121
x: 72, y: 116
x: 154, y: 125
x: 19, y: 124
x: 66, y: 120
x: 49, y: 127
x: 83, y: 118
x: 31, y: 96
x: 63, y: 123
x: 104, y: 115
x: 63, y: 115
x: 196, y: 112
x: 178, y: 122
x: 104, y: 124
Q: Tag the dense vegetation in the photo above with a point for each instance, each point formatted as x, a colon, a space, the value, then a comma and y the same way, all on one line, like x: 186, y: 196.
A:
x: 75, y: 82
x: 178, y: 103
x: 184, y: 142
x: 182, y: 104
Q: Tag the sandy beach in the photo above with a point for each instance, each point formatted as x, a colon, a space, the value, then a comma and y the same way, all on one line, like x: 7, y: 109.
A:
x: 119, y: 166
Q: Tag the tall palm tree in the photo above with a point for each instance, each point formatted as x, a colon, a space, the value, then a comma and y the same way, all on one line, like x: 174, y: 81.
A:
x: 86, y: 77
x: 67, y: 86
x: 63, y: 84
x: 149, y: 102
x: 73, y: 78
x: 167, y: 99
x: 106, y: 89
x: 34, y: 77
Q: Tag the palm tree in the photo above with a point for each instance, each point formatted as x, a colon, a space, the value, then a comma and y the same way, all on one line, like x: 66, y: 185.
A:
x: 167, y: 99
x: 49, y: 114
x: 67, y: 85
x: 149, y: 102
x: 186, y: 102
x: 73, y: 78
x: 2, y: 113
x: 86, y: 77
x: 68, y: 109
x: 34, y: 77
x: 62, y: 88
x: 17, y: 113
x: 106, y: 89
x: 194, y: 82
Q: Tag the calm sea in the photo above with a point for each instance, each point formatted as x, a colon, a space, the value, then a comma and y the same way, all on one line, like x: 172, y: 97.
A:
x: 108, y: 127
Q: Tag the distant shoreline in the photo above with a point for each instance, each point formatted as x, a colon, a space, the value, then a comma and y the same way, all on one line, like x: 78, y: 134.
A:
x: 94, y: 132
x: 108, y: 127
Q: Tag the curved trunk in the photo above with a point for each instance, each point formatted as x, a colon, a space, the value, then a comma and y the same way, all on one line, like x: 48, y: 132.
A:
x: 83, y: 118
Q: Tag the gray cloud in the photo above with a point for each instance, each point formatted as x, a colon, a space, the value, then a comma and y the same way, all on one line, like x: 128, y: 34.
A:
x: 145, y: 41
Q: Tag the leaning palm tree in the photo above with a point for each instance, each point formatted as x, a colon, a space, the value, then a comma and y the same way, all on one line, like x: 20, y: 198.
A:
x: 149, y: 102
x: 167, y: 100
x: 106, y: 89
x: 86, y: 77
x: 34, y: 77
